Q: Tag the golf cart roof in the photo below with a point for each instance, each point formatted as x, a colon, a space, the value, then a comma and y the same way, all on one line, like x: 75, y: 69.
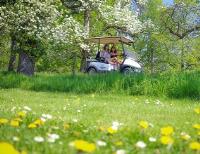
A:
x: 110, y: 40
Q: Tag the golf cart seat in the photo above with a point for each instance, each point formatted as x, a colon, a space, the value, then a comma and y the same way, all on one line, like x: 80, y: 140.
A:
x: 99, y: 58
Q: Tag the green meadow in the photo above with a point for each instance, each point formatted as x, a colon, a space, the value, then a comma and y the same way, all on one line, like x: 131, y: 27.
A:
x: 89, y: 108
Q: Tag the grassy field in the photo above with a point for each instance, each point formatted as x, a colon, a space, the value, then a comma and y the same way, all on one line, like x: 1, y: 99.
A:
x: 93, y: 118
x: 173, y: 85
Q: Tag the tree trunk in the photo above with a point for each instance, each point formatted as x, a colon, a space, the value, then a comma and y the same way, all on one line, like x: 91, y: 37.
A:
x: 152, y: 61
x: 84, y: 55
x: 182, y: 55
x: 26, y: 64
x: 87, y: 31
x: 11, y: 64
x: 74, y: 64
x: 87, y: 22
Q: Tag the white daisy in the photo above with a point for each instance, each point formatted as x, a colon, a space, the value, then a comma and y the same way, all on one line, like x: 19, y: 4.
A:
x: 38, y: 139
x: 152, y: 139
x: 121, y: 151
x: 27, y: 108
x: 101, y: 143
x: 140, y: 144
x: 15, y: 138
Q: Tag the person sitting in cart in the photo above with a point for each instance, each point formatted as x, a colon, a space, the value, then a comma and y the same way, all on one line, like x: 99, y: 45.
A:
x: 114, y: 54
x: 105, y: 53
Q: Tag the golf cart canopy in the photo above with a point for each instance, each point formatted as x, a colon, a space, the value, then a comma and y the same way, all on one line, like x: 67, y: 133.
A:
x: 110, y: 40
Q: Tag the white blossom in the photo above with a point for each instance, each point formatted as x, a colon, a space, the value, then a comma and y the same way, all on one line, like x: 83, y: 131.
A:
x: 38, y: 139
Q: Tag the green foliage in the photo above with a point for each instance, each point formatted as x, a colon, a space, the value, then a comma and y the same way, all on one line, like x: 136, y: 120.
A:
x: 177, y: 85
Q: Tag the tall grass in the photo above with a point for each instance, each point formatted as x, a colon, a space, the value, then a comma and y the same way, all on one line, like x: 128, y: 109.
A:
x: 176, y: 85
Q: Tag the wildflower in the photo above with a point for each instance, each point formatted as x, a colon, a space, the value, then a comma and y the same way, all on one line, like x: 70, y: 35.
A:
x: 83, y: 146
x: 167, y: 130
x: 15, y: 138
x: 166, y: 140
x: 195, y: 146
x: 78, y: 111
x: 52, y: 137
x: 18, y: 119
x: 198, y: 133
x: 32, y: 125
x: 47, y: 116
x: 121, y: 151
x: 185, y: 136
x: 143, y: 124
x: 27, y: 108
x: 6, y: 148
x: 140, y: 144
x: 21, y: 114
x: 38, y: 122
x: 152, y: 139
x: 14, y: 123
x: 38, y: 139
x: 197, y: 126
x: 112, y: 130
x: 116, y: 124
x: 3, y: 121
x: 101, y: 143
x: 197, y: 110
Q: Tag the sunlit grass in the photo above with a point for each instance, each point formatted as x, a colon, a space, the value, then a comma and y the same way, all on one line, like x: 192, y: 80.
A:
x: 88, y: 116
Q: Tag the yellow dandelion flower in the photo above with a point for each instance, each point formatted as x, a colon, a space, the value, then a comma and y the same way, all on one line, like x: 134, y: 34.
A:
x: 32, y: 125
x: 6, y: 148
x: 3, y: 121
x: 196, y: 126
x: 198, y: 133
x: 185, y: 136
x: 111, y: 130
x: 195, y: 146
x: 14, y: 123
x: 38, y: 122
x: 84, y: 146
x: 21, y: 114
x: 143, y: 124
x: 197, y: 110
x: 166, y: 140
x: 167, y: 130
x: 66, y: 126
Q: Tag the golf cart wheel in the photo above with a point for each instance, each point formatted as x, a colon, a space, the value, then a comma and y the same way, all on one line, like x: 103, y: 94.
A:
x: 127, y: 70
x: 92, y: 70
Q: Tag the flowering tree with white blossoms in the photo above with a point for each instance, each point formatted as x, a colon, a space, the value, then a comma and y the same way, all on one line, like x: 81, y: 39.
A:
x: 122, y: 18
x: 29, y: 22
x: 85, y: 7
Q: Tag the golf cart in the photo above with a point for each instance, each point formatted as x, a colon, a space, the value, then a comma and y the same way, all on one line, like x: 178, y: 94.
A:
x: 128, y: 64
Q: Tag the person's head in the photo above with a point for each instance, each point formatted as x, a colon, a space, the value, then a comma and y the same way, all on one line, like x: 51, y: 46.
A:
x: 113, y: 49
x: 106, y: 47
